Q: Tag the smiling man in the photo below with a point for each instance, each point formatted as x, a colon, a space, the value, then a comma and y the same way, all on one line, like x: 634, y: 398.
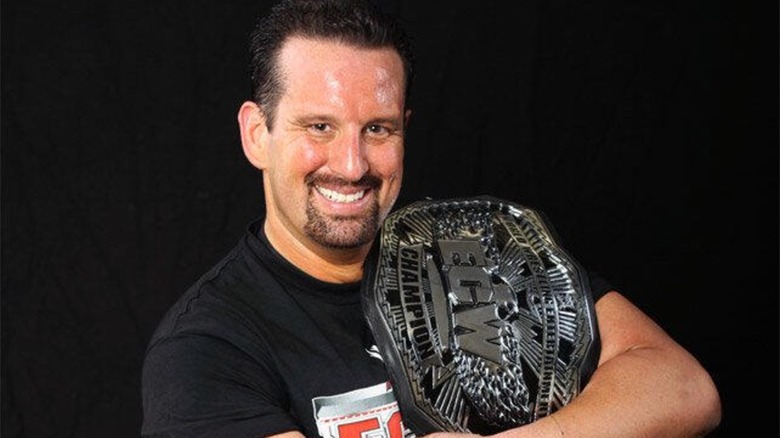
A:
x: 331, y: 153
x: 273, y: 340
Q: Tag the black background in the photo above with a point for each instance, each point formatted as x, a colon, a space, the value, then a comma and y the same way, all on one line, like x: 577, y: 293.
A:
x: 645, y: 130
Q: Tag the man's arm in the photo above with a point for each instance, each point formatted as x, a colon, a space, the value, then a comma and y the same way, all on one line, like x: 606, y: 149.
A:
x: 646, y: 385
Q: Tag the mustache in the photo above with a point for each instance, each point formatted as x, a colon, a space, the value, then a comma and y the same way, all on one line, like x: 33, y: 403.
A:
x: 370, y: 181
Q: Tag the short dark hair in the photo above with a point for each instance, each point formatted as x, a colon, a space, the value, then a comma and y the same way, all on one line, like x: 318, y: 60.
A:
x: 354, y: 22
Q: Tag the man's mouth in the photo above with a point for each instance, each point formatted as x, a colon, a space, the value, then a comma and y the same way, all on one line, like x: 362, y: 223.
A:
x: 343, y: 198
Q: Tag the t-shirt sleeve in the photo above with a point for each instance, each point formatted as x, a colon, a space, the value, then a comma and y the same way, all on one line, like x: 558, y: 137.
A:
x: 599, y: 285
x: 197, y: 385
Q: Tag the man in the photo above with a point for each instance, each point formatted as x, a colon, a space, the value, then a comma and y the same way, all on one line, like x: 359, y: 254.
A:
x: 272, y: 341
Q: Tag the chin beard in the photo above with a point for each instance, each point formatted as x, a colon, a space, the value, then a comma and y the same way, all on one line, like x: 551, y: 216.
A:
x: 342, y: 232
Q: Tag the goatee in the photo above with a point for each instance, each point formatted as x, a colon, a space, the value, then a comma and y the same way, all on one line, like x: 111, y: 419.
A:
x: 342, y: 232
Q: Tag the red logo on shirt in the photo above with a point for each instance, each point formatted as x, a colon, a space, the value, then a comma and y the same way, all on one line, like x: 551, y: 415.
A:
x: 364, y: 413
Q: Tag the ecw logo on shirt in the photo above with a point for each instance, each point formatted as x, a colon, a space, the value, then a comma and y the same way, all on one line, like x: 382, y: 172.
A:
x: 364, y: 413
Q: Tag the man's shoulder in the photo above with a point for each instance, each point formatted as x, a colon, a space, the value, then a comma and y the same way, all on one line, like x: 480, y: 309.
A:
x: 220, y: 298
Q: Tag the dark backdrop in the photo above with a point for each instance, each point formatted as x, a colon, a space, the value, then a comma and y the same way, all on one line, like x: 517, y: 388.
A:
x: 646, y: 130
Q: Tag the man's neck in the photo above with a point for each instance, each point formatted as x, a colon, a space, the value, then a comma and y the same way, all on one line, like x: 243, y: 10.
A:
x: 325, y: 264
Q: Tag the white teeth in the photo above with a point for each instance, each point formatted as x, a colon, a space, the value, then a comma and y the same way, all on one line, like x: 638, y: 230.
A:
x: 340, y: 197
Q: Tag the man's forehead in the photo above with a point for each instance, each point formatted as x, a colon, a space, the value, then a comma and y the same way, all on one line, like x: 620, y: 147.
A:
x: 336, y: 67
x: 309, y: 51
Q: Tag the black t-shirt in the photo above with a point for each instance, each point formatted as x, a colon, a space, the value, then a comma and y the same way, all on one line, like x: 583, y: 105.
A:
x: 257, y: 347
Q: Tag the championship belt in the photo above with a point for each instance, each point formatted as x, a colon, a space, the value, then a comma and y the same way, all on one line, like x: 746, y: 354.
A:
x: 483, y: 321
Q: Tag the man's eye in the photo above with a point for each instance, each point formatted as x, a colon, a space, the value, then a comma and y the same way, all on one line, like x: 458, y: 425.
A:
x: 377, y: 130
x: 322, y: 127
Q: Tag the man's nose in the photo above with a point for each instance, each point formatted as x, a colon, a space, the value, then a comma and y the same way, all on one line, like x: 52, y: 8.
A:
x: 347, y: 156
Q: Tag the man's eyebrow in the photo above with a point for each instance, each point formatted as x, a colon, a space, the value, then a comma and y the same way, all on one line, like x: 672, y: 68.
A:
x: 392, y: 121
x: 305, y: 119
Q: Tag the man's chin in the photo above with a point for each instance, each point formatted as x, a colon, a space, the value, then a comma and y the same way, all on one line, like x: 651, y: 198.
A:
x: 342, y: 233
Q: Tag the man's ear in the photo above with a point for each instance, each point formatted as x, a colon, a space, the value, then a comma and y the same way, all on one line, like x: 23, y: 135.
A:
x: 254, y: 134
x: 407, y: 117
